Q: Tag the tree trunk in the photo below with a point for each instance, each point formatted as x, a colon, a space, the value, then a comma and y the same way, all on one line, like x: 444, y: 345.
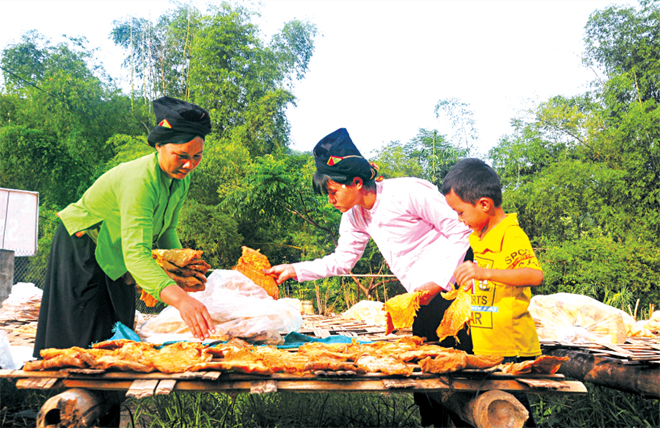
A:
x: 639, y: 379
x: 72, y: 408
x: 492, y: 409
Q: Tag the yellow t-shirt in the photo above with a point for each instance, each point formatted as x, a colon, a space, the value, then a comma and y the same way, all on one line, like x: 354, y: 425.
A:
x: 501, y: 323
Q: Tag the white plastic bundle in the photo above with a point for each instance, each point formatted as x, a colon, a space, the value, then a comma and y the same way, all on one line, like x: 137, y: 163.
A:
x: 649, y: 327
x: 367, y: 310
x: 23, y: 302
x: 574, y: 318
x: 239, y: 308
x: 6, y: 360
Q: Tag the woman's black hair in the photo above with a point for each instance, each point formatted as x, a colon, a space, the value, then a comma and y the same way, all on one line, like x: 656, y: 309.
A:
x: 320, y: 182
x: 178, y: 122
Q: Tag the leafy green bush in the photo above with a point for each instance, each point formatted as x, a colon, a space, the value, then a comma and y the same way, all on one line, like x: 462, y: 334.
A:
x: 616, y: 273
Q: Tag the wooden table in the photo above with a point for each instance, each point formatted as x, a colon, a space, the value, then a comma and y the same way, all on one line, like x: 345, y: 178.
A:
x: 146, y: 384
x: 81, y: 385
x: 470, y: 389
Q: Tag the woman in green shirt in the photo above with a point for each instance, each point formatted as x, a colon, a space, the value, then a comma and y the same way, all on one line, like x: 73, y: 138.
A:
x: 112, y: 229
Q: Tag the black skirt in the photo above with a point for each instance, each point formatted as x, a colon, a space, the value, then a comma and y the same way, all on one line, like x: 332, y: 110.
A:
x: 80, y: 303
x: 426, y: 323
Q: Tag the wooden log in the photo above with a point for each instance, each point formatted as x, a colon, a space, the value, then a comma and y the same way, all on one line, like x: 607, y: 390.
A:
x: 609, y: 372
x: 492, y: 409
x: 71, y: 408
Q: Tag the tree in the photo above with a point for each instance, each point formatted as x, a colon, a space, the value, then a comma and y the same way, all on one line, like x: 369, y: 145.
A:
x: 624, y: 42
x: 394, y: 161
x: 210, y: 229
x: 461, y: 118
x: 31, y: 159
x: 428, y: 155
x: 60, y: 91
x: 63, y: 123
x: 584, y: 173
x: 224, y: 165
x: 435, y: 154
x: 159, y: 55
x: 276, y: 201
x: 218, y: 60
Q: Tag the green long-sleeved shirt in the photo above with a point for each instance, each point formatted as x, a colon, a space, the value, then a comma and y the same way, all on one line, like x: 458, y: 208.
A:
x: 134, y: 204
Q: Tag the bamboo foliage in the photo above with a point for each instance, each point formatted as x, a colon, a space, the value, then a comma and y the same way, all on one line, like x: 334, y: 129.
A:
x: 219, y: 60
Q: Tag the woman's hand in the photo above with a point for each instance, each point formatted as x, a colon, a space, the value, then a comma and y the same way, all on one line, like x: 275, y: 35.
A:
x: 432, y: 289
x: 193, y: 312
x: 281, y: 273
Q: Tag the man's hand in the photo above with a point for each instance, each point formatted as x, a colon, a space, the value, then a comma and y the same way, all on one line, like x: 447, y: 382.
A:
x: 193, y: 312
x: 281, y: 272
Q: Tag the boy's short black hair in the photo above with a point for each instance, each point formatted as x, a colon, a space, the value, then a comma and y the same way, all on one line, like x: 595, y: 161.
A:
x: 471, y: 179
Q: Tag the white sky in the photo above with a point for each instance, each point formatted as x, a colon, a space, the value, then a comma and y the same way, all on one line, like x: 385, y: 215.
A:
x: 380, y: 67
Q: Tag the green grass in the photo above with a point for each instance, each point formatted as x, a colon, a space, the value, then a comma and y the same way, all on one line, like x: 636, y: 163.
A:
x: 282, y: 409
x: 601, y: 407
x: 19, y: 407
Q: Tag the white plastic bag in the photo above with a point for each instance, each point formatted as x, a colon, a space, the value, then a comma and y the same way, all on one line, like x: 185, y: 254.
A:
x: 23, y: 302
x: 6, y: 360
x: 296, y: 303
x: 367, y: 310
x: 231, y: 280
x: 647, y: 328
x: 574, y: 318
x: 239, y: 308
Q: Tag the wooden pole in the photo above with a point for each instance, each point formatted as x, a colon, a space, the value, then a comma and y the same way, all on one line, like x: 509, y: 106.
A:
x: 492, y: 409
x: 609, y: 372
x: 6, y: 273
x: 72, y: 408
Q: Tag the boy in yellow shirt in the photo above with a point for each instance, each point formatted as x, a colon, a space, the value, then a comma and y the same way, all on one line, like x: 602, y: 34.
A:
x: 504, y: 267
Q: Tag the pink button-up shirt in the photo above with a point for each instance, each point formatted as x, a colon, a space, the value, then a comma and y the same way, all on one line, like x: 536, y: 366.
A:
x: 416, y: 231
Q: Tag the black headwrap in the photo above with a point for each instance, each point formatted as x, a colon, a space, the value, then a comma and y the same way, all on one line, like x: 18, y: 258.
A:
x: 178, y: 122
x: 337, y: 156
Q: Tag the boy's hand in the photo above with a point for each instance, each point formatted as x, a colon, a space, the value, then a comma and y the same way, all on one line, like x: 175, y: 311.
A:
x: 521, y: 277
x: 467, y: 272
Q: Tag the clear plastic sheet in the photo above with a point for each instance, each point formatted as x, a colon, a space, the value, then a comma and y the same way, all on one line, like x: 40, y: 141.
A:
x: 239, y: 308
x: 574, y: 318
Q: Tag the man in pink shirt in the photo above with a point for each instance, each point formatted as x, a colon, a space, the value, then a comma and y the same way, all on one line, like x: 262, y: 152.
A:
x: 416, y: 231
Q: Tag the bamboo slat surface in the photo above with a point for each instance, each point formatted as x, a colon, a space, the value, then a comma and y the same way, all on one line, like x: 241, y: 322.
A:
x: 146, y: 384
x: 19, y: 332
x: 636, y: 350
x: 323, y: 326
